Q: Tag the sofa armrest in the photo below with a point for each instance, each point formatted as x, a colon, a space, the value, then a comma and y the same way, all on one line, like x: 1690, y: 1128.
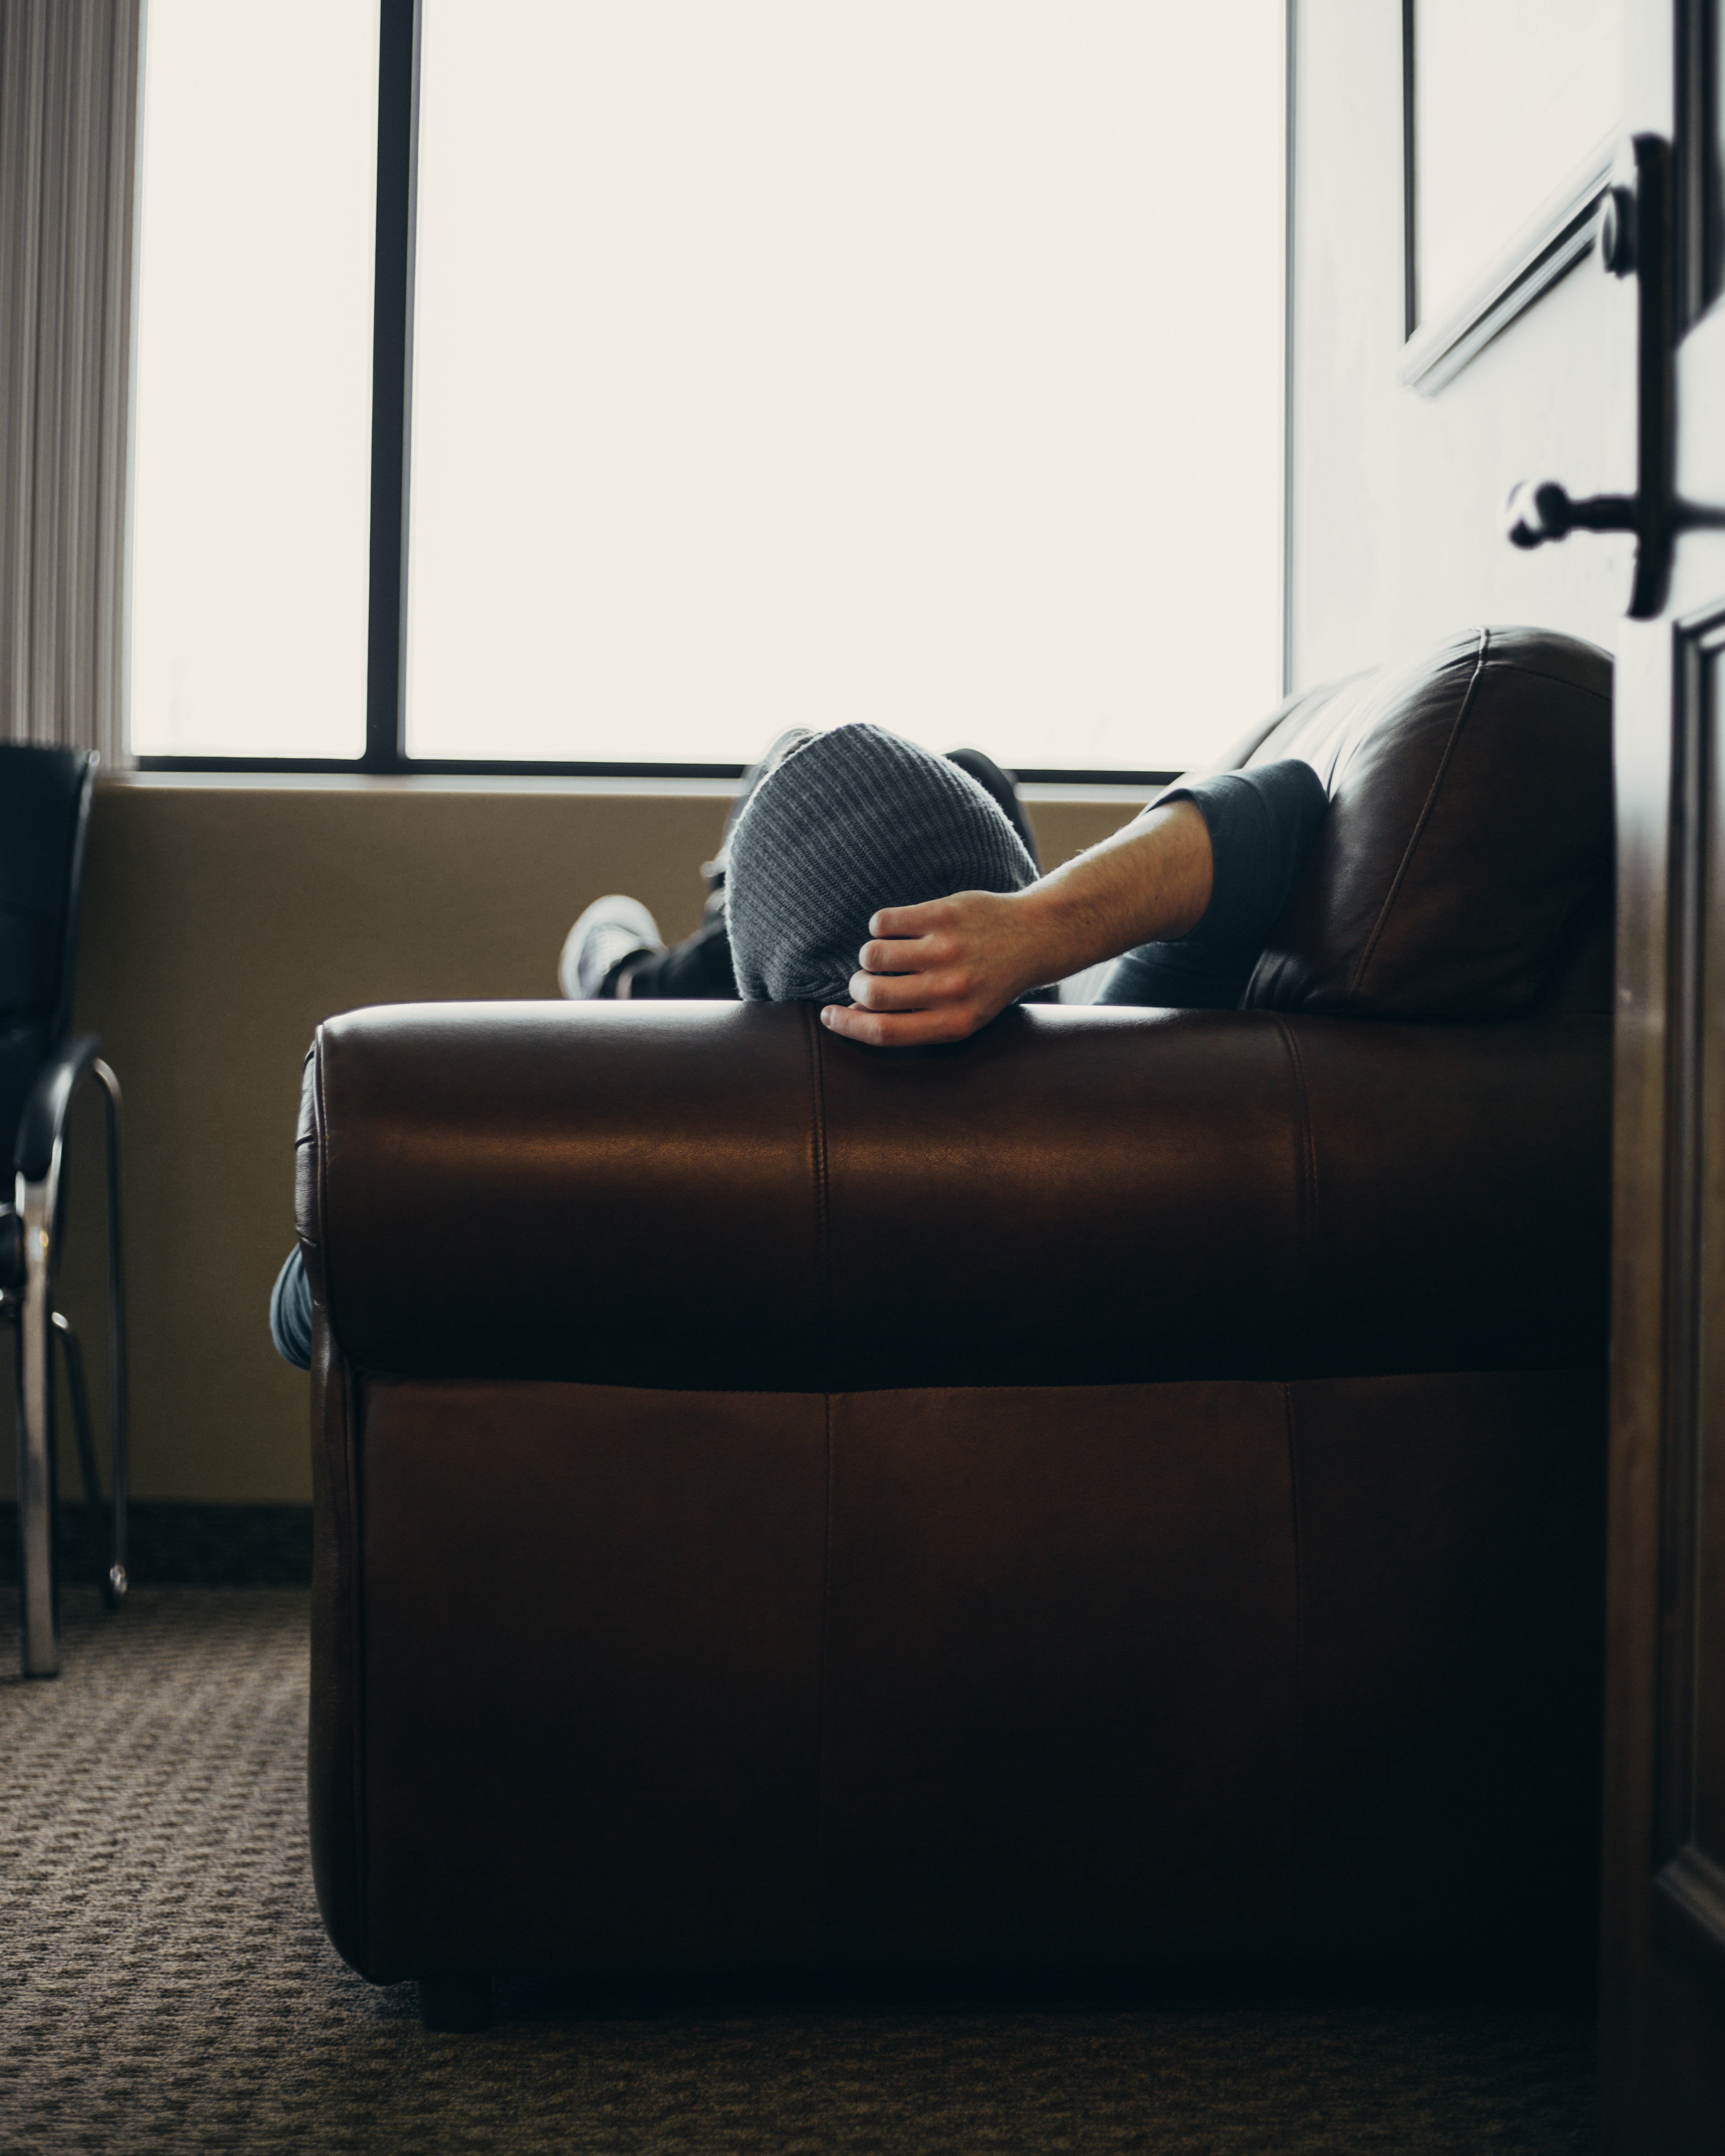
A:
x: 727, y: 1197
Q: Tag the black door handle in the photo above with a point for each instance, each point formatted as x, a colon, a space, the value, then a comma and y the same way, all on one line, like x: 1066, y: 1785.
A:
x: 1539, y: 509
x: 1635, y: 229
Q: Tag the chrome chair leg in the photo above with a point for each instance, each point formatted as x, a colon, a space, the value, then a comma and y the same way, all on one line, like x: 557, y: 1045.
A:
x: 28, y: 1282
x: 38, y: 1607
x: 77, y: 1391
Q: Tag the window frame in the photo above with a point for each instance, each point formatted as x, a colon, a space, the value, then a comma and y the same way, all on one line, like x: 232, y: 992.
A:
x: 385, y: 755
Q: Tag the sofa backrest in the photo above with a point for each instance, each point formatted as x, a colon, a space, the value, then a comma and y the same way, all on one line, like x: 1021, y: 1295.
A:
x: 1464, y: 870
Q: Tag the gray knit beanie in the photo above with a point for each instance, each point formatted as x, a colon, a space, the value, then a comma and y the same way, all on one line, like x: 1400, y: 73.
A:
x: 848, y: 822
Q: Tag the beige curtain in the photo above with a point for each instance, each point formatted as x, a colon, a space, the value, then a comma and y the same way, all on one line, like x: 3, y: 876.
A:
x: 68, y: 83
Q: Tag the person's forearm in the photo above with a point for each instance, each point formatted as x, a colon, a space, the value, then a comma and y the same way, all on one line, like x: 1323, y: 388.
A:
x: 938, y: 971
x: 1149, y: 883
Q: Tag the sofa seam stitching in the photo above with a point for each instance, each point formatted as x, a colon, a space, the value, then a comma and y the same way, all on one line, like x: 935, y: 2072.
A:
x: 823, y: 1220
x: 1305, y: 1245
x: 1298, y: 1852
x: 820, y: 1741
x: 823, y: 1198
x: 1425, y: 817
x: 353, y: 1596
x: 362, y: 1825
x: 324, y: 1147
x: 1306, y: 1240
x: 1539, y: 674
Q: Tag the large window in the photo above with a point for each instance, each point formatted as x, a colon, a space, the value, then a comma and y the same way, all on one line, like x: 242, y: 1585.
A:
x: 252, y: 431
x: 739, y: 363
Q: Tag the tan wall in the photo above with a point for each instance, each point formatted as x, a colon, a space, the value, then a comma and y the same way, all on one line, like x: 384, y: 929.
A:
x: 222, y: 922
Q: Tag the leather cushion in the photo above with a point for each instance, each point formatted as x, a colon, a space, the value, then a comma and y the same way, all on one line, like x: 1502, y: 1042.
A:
x: 711, y: 1195
x: 619, y: 1678
x: 1469, y: 827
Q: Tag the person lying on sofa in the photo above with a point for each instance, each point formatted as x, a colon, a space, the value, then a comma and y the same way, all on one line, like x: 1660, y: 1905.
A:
x: 1183, y: 898
x: 900, y: 891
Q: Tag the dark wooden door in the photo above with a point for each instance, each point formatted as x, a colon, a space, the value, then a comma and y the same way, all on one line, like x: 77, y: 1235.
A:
x: 1663, y: 1996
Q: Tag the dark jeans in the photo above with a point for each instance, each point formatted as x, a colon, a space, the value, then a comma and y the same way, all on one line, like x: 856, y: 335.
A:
x: 290, y: 1312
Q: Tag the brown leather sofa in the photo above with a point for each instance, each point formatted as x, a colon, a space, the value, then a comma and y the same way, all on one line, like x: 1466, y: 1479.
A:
x: 1126, y: 1491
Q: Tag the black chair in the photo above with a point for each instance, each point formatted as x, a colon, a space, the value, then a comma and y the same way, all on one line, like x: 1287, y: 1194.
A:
x: 44, y: 816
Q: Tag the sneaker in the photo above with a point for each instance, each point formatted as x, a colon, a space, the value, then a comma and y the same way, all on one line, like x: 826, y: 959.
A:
x: 611, y: 932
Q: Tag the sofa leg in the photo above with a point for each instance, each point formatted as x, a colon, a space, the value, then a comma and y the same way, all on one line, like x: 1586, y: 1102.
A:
x: 457, y: 2005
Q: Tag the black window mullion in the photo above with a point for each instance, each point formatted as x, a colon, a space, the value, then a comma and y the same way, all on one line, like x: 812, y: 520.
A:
x: 391, y: 358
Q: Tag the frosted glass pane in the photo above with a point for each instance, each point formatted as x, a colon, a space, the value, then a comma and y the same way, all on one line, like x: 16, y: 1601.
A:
x: 804, y: 360
x: 252, y: 423
x: 1507, y: 99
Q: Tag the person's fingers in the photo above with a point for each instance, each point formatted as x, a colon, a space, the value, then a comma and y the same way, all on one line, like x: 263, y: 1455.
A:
x: 916, y: 1028
x: 932, y: 914
x: 921, y: 977
x: 906, y: 954
x: 892, y: 992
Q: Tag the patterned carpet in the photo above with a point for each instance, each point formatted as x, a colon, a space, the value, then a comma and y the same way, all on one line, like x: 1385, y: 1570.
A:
x: 167, y: 1986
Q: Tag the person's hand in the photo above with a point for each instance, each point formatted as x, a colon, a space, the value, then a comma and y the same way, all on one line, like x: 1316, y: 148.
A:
x: 936, y: 971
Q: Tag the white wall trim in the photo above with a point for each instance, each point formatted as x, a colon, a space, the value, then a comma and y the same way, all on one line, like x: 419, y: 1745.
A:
x: 1547, y: 248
